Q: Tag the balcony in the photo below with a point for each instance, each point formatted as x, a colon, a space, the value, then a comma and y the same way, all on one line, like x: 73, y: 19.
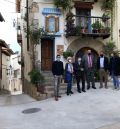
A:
x: 91, y: 26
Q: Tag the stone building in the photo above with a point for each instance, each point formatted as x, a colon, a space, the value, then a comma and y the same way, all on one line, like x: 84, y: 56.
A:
x: 89, y: 27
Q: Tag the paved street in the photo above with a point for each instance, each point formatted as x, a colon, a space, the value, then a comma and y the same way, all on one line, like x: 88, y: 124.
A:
x: 91, y: 110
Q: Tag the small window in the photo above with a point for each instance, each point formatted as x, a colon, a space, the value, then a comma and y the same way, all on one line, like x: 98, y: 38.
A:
x: 52, y: 24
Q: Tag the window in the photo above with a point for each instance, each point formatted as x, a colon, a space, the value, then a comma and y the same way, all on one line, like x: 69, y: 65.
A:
x: 35, y: 23
x: 52, y: 24
x: 15, y: 73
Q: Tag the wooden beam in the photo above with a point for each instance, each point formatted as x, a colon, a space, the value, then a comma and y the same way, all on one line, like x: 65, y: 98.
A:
x: 84, y: 5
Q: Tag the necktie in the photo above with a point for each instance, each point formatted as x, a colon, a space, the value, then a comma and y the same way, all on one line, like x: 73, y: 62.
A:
x: 89, y: 61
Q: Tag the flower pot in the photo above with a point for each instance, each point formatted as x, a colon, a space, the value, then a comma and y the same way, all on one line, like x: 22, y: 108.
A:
x: 101, y: 30
x: 95, y: 31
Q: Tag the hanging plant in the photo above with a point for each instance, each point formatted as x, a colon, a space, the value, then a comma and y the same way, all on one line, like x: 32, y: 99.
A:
x: 108, y: 5
x: 105, y: 17
x: 65, y: 4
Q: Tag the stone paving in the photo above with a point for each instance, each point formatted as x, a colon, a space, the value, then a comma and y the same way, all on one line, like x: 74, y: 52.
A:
x: 94, y: 109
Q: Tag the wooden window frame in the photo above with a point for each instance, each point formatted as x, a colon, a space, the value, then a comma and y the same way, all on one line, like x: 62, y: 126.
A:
x: 56, y: 24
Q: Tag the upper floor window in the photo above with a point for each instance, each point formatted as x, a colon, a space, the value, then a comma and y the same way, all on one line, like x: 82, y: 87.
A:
x: 52, y: 24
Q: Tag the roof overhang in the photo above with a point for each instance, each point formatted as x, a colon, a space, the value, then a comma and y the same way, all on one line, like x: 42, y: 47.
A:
x: 5, y: 48
x: 1, y: 18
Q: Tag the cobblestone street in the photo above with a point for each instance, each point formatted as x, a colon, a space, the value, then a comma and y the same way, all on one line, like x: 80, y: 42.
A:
x: 91, y: 110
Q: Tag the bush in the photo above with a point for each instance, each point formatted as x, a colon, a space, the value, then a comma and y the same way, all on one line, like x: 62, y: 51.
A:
x: 67, y: 54
x: 109, y: 48
x: 36, y: 77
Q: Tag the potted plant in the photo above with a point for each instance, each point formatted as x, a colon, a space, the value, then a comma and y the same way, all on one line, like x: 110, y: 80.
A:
x: 37, y: 79
x: 107, y: 29
x: 109, y: 48
x: 68, y: 53
x: 105, y: 17
x: 96, y: 26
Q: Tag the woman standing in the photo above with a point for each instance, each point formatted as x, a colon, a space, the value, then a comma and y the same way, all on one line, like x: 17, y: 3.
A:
x: 69, y: 75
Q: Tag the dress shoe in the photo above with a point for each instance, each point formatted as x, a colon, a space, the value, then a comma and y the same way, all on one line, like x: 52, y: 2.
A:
x: 79, y: 91
x: 67, y: 93
x: 71, y: 92
x: 101, y: 87
x: 56, y: 98
x: 106, y: 87
x: 88, y: 87
x: 59, y: 96
x: 93, y: 87
x: 83, y: 91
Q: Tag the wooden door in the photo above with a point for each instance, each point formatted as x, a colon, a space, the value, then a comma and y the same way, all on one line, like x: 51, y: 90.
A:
x: 46, y: 54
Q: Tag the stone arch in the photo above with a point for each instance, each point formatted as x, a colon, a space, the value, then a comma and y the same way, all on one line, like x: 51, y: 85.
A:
x: 90, y: 43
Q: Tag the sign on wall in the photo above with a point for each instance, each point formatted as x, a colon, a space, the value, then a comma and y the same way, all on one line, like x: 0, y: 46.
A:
x: 60, y: 49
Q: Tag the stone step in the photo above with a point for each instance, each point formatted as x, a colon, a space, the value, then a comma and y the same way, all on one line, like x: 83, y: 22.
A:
x: 47, y: 74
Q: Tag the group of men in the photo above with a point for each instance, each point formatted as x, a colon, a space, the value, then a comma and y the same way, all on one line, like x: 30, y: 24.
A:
x: 84, y: 69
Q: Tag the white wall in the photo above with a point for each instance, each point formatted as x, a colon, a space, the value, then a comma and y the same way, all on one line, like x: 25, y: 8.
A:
x: 5, y: 77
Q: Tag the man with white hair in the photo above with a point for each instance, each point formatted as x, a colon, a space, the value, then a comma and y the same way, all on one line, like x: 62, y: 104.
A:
x: 69, y: 75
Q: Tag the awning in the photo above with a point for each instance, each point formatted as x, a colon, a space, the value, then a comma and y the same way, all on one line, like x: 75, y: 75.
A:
x: 1, y: 18
x: 5, y: 48
x: 55, y: 11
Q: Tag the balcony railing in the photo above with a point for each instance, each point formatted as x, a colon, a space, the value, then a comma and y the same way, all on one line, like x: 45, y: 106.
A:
x: 77, y: 25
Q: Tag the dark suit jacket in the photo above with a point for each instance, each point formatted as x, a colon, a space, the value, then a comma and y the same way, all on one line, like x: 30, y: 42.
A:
x: 85, y: 62
x: 115, y: 65
x: 57, y: 68
x: 77, y: 69
x: 106, y: 63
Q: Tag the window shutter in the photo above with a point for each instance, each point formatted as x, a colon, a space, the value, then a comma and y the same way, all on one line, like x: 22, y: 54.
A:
x: 57, y: 24
x: 47, y: 24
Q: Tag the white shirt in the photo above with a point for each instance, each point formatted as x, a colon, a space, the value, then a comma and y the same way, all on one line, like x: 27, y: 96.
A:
x: 101, y: 62
x: 70, y: 68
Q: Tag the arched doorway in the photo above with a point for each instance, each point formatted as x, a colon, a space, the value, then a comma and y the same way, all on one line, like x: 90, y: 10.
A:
x: 83, y: 50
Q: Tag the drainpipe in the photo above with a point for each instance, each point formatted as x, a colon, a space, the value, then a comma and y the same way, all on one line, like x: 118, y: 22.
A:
x: 27, y: 12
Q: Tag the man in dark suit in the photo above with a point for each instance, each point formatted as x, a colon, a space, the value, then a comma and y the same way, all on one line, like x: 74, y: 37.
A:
x: 57, y: 70
x: 115, y: 69
x: 103, y: 67
x: 89, y: 67
x: 79, y: 74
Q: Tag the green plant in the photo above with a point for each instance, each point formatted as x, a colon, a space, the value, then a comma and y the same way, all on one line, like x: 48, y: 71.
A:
x: 97, y: 25
x: 108, y: 29
x: 105, y: 17
x: 35, y: 35
x: 108, y: 4
x: 67, y: 54
x: 109, y: 48
x: 65, y: 4
x: 36, y: 77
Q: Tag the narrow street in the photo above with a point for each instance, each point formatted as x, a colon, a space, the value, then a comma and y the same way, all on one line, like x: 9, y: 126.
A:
x: 91, y: 110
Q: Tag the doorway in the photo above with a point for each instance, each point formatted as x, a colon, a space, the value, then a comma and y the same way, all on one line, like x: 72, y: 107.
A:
x: 84, y: 50
x: 47, y: 54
